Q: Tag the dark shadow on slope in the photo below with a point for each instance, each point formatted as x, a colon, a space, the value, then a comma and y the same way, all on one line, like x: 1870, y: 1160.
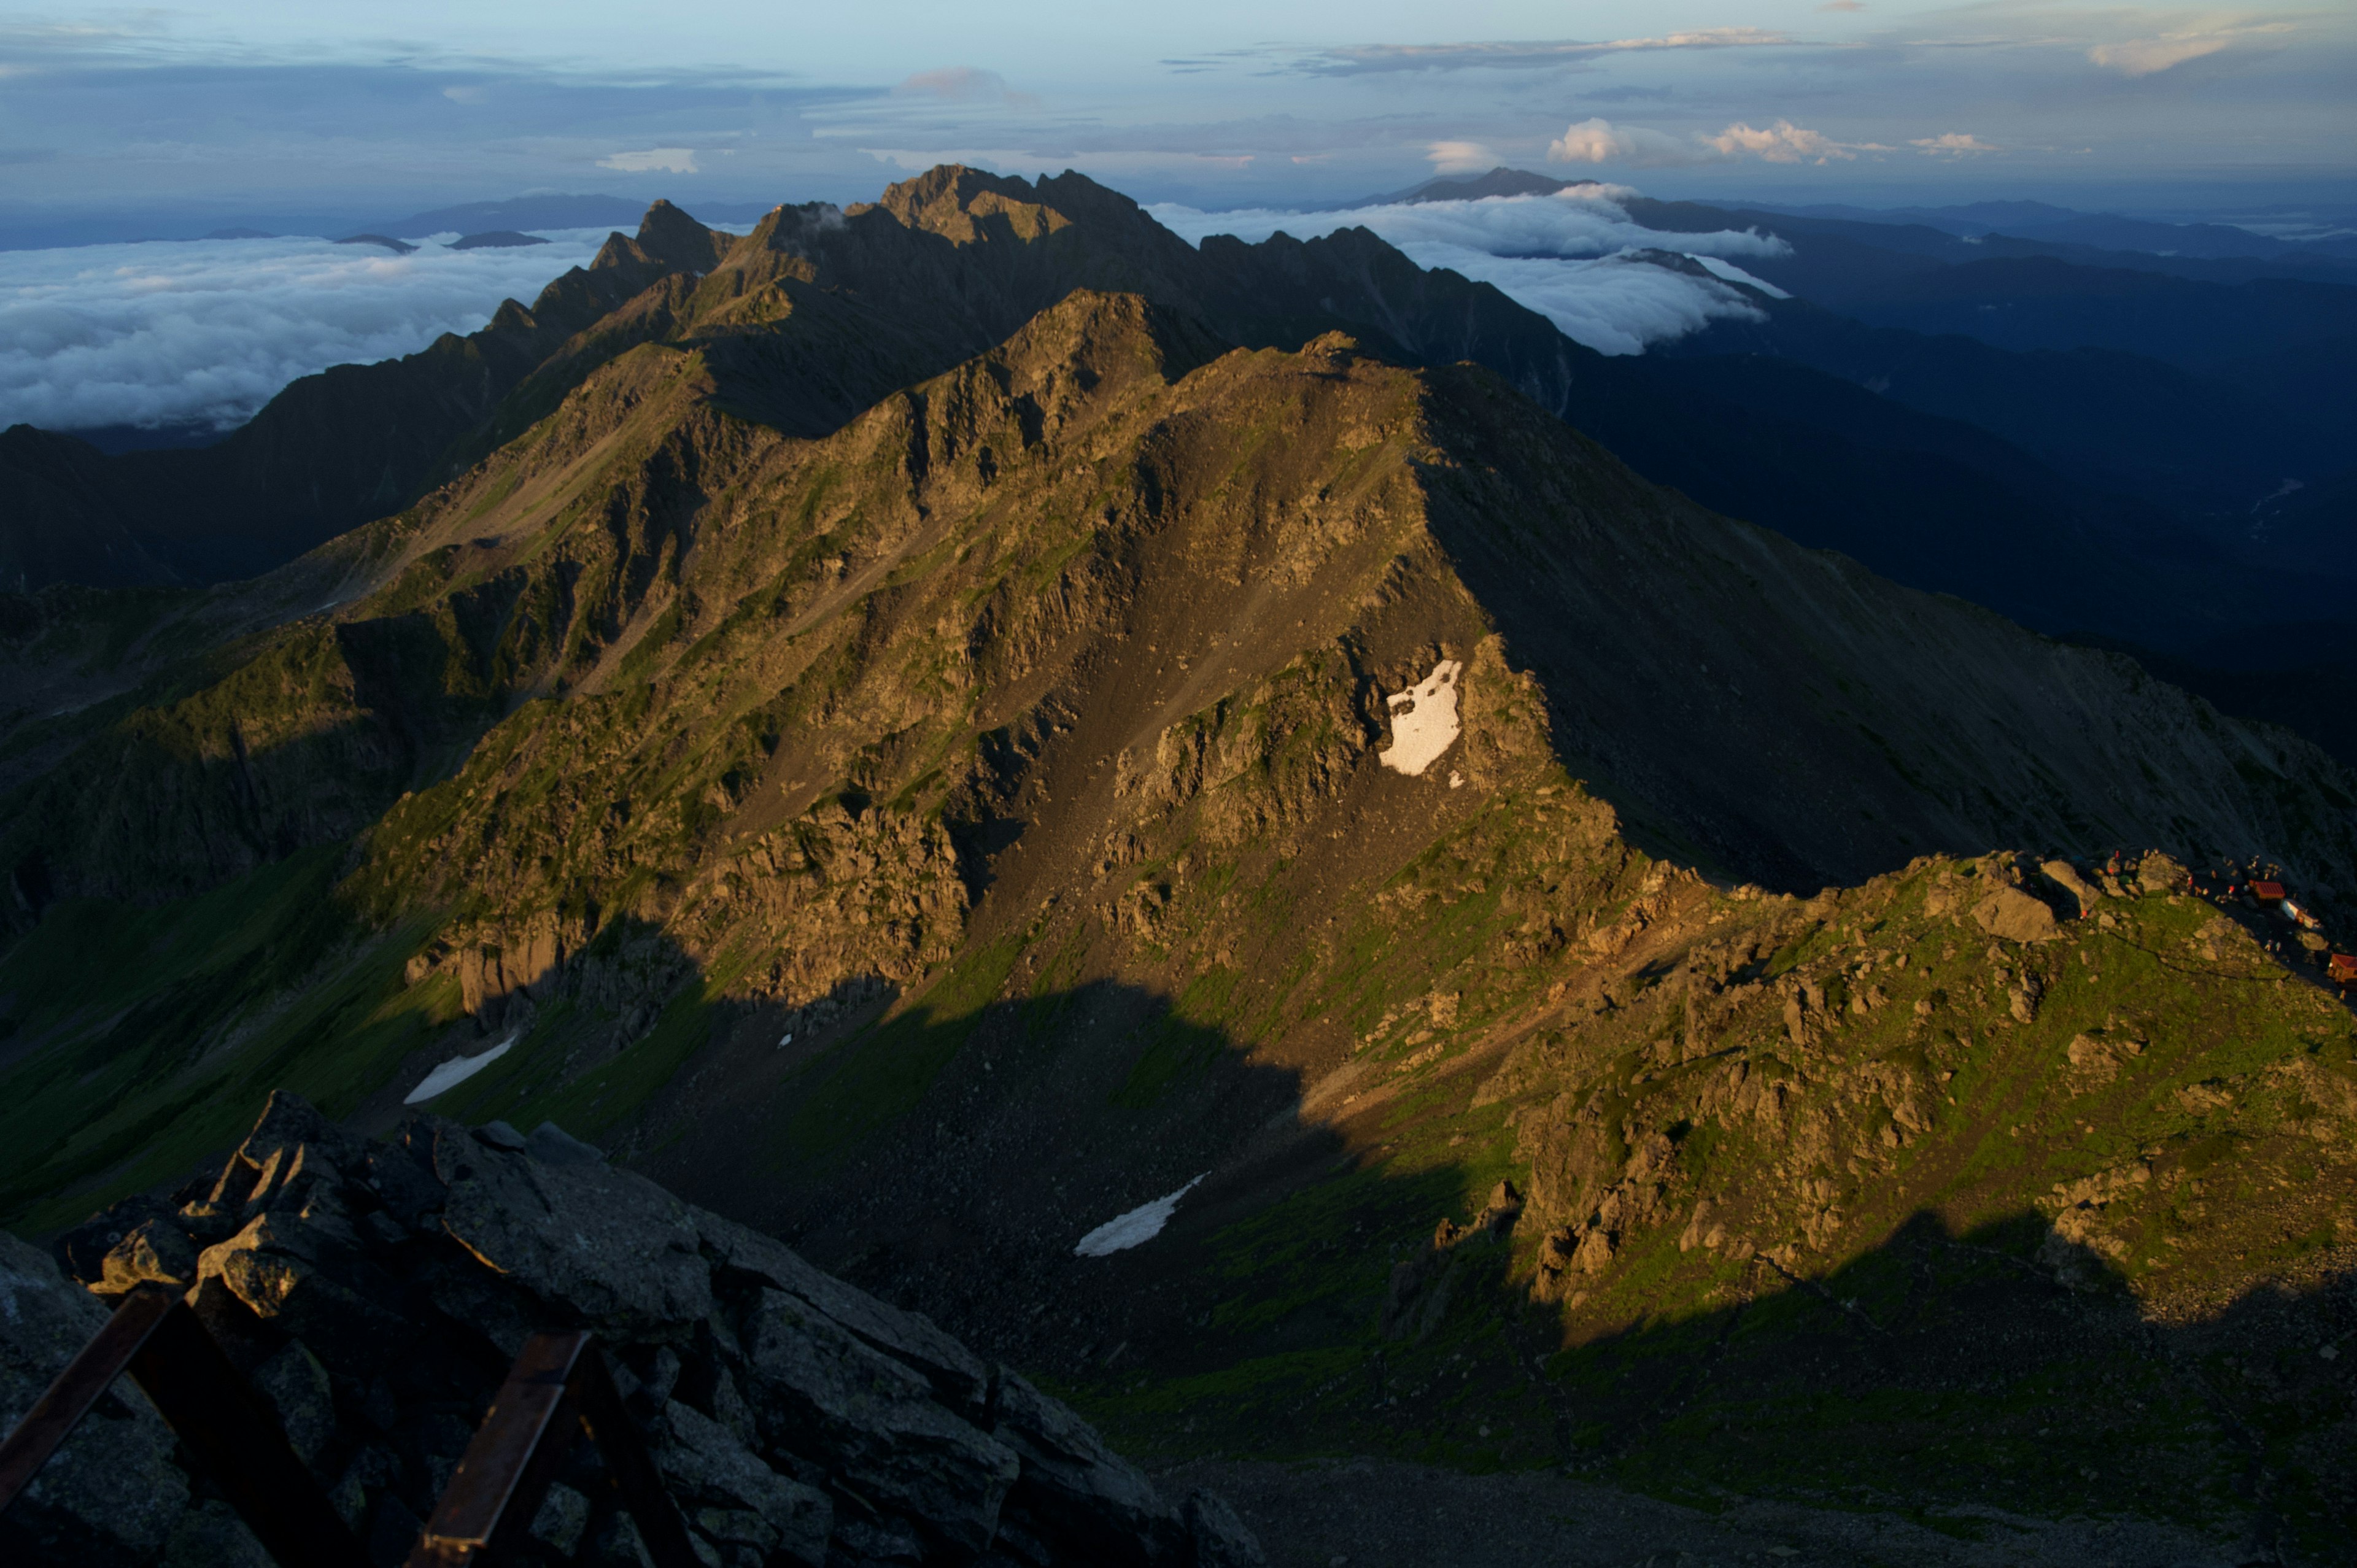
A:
x: 144, y: 1036
x: 2006, y: 1367
x: 953, y: 1155
x: 1948, y: 1378
x: 2307, y: 694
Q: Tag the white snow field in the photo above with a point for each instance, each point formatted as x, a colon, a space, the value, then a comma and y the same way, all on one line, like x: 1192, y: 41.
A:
x: 1423, y: 721
x: 456, y: 1072
x: 1138, y: 1226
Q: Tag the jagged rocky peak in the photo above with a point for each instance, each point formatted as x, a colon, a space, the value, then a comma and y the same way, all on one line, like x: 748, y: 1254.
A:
x: 952, y: 201
x: 374, y: 1292
x: 668, y: 239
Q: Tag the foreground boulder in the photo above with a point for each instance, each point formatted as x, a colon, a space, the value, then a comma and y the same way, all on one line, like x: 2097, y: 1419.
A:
x: 376, y: 1292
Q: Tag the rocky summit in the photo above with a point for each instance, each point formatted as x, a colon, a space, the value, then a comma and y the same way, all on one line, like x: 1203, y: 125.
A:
x: 1163, y: 809
x: 375, y: 1295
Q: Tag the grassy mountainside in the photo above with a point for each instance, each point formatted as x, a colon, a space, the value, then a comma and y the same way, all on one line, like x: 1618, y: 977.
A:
x: 931, y: 833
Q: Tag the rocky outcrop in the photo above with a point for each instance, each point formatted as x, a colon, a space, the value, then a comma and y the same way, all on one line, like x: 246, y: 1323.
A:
x: 110, y: 1494
x: 374, y: 1294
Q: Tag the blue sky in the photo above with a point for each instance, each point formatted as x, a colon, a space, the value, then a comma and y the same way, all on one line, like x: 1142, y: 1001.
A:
x: 272, y: 107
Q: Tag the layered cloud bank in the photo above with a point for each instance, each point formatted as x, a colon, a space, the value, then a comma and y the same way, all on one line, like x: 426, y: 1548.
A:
x: 1576, y: 258
x: 206, y: 331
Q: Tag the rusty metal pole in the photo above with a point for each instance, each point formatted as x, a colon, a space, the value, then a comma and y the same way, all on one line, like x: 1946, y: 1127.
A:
x: 557, y: 1389
x: 224, y: 1426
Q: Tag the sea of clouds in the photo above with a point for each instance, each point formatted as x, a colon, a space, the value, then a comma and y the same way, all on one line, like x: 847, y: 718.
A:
x: 204, y: 332
x: 1572, y: 257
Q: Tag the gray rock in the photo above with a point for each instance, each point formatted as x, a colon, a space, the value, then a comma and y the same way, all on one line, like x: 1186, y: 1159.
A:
x: 156, y: 1251
x: 291, y: 1140
x: 297, y: 1387
x: 957, y: 1373
x: 706, y: 1465
x: 1221, y: 1539
x: 1097, y: 1505
x: 109, y: 1494
x: 563, y: 1519
x: 773, y: 1392
x: 499, y: 1135
x: 205, y: 1222
x: 82, y: 1252
x: 284, y: 1268
x: 618, y: 1545
x: 2016, y: 917
x: 406, y: 1185
x: 893, y: 1542
x: 210, y: 1535
x: 613, y: 1248
x: 2065, y: 876
x: 821, y: 1391
x: 553, y: 1145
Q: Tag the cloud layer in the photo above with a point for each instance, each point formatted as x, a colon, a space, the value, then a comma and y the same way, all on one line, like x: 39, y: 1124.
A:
x: 1599, y: 141
x: 1573, y: 258
x: 206, y: 332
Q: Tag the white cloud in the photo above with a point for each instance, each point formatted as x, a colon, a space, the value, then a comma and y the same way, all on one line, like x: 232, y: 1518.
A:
x: 2147, y: 57
x: 1596, y: 141
x: 2150, y: 56
x: 1461, y: 158
x: 208, y: 331
x: 667, y: 160
x: 1954, y: 144
x: 1785, y: 143
x: 1569, y: 257
x: 467, y: 94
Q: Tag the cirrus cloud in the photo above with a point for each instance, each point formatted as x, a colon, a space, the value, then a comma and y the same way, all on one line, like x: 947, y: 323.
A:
x: 665, y: 160
x: 2150, y: 56
x: 1361, y: 60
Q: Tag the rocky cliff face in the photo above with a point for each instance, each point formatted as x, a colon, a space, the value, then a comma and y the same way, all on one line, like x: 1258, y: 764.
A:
x: 373, y: 1293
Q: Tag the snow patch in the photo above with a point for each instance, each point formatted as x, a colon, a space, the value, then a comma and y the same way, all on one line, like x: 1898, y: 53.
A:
x: 456, y: 1072
x: 1134, y: 1229
x: 1423, y: 721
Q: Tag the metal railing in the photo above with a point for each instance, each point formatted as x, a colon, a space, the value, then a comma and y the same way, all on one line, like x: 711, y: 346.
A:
x: 558, y: 1390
